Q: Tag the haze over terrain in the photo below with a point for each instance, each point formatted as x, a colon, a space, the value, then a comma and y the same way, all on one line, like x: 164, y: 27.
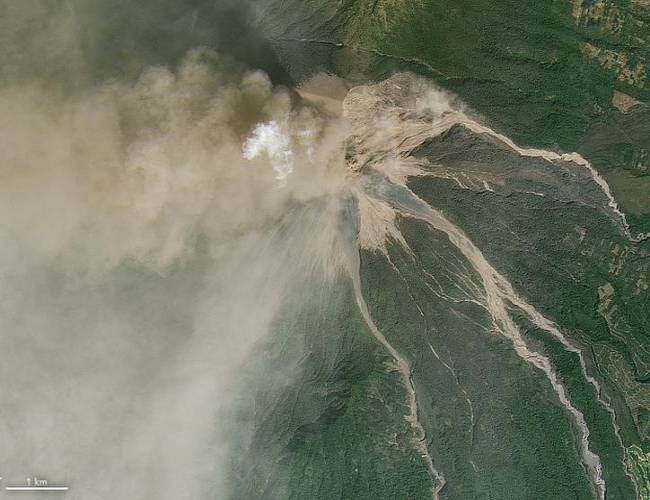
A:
x: 286, y: 250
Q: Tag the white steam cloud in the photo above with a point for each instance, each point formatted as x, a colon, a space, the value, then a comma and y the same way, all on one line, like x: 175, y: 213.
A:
x: 147, y: 247
x: 139, y: 171
x: 270, y: 139
x: 152, y: 230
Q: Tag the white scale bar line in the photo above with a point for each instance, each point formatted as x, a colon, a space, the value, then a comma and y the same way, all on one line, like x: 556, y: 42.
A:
x: 36, y: 488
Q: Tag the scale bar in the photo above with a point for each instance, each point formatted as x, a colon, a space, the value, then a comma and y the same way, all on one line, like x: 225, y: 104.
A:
x: 36, y: 488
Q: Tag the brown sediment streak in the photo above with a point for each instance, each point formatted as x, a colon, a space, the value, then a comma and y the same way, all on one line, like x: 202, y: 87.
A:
x: 470, y: 406
x: 458, y: 118
x: 544, y: 324
x: 498, y: 292
x: 391, y: 120
x: 403, y: 367
x: 570, y: 157
x: 397, y: 107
